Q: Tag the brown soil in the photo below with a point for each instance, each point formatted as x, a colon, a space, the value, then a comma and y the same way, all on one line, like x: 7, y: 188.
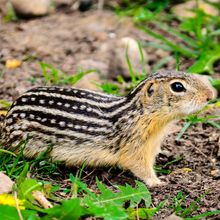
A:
x: 63, y: 40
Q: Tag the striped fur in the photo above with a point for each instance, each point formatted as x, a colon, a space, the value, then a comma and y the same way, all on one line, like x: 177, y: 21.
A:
x: 83, y: 125
x: 68, y: 113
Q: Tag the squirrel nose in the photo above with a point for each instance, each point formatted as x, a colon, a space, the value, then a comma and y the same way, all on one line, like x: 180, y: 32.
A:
x: 211, y: 94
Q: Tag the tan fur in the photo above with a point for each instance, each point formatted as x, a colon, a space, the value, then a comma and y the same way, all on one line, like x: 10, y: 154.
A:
x: 139, y: 156
x: 139, y: 138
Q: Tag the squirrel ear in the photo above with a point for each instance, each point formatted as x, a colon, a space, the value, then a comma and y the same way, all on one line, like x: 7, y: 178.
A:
x: 150, y: 89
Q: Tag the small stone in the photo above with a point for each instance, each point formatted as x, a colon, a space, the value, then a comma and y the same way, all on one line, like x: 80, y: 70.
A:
x: 215, y: 173
x: 5, y: 183
x: 90, y: 64
x: 119, y: 64
x: 31, y: 8
x: 173, y: 217
x: 89, y: 81
x: 185, y: 9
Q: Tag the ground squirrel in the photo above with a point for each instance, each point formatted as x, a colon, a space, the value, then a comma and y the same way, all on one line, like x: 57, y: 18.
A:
x: 103, y: 129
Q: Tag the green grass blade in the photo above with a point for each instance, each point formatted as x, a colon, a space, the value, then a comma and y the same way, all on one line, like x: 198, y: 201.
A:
x: 7, y: 152
x: 214, y: 124
x: 177, y: 56
x: 183, y: 130
x: 142, y: 58
x: 131, y: 71
x: 206, y: 214
x: 161, y: 63
x: 188, y: 40
x: 156, y: 45
x: 176, y: 48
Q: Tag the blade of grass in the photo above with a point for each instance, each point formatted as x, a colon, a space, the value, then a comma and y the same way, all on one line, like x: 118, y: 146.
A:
x: 7, y: 152
x: 172, y: 161
x: 206, y: 214
x: 193, y: 206
x: 192, y: 43
x: 142, y: 58
x: 181, y: 49
x: 177, y: 56
x: 161, y: 63
x: 156, y: 45
x: 214, y: 124
x: 183, y: 130
x: 131, y: 71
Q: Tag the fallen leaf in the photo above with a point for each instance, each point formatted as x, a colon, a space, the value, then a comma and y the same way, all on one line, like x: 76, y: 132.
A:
x: 3, y: 112
x: 13, y: 63
x: 5, y: 183
x: 186, y: 169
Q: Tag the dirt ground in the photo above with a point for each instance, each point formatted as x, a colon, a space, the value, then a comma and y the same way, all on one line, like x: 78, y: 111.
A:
x: 67, y: 40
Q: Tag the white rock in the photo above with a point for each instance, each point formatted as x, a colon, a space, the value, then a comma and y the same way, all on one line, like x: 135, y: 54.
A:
x: 119, y: 63
x: 185, y: 9
x: 90, y: 64
x: 32, y: 8
x: 173, y: 217
x: 5, y: 183
x: 89, y: 81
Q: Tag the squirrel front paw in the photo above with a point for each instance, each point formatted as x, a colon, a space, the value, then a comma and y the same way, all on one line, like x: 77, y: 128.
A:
x: 154, y: 182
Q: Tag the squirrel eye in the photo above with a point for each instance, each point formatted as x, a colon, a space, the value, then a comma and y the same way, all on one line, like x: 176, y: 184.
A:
x: 178, y: 87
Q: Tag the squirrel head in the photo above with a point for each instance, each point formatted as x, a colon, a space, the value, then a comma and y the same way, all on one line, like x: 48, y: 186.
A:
x: 174, y: 94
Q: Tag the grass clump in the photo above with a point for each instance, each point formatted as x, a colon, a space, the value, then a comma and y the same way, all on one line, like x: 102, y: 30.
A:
x: 195, y: 38
x: 54, y: 76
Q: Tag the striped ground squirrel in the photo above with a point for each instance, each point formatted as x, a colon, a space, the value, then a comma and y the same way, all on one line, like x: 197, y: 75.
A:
x: 104, y: 129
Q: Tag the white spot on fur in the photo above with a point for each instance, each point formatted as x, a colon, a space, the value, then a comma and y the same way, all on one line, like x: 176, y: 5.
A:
x: 22, y: 115
x: 84, y: 127
x: 89, y: 109
x: 74, y: 107
x: 24, y: 100
x: 67, y: 105
x: 32, y: 116
x: 9, y: 121
x: 52, y: 121
x: 62, y: 123
x: 82, y: 107
x: 42, y: 101
x: 70, y: 125
x: 77, y: 126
